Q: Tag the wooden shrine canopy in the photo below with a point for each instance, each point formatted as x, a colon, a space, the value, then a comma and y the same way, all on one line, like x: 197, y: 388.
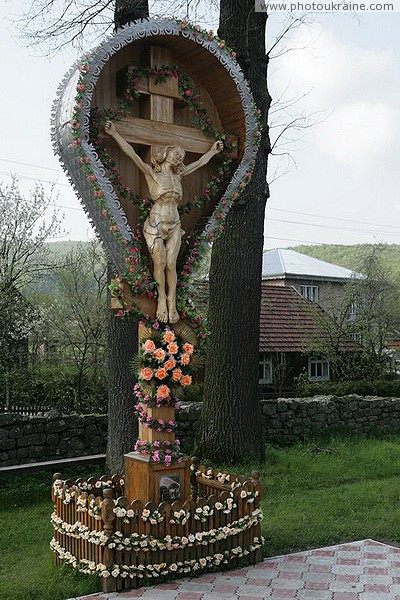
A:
x: 159, y: 118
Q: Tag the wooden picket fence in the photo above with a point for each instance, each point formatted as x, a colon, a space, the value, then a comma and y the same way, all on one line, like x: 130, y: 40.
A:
x: 96, y: 528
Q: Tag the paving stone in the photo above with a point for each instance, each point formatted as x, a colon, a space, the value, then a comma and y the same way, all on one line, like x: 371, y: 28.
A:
x: 313, y: 595
x: 364, y: 570
x: 252, y: 597
x: 318, y: 577
x: 195, y: 586
x: 224, y: 588
x: 383, y: 579
x: 286, y: 594
x: 315, y: 585
x: 250, y: 590
x: 236, y: 581
x: 376, y: 588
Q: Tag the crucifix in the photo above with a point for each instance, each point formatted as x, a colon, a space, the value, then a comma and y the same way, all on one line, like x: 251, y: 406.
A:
x: 162, y: 229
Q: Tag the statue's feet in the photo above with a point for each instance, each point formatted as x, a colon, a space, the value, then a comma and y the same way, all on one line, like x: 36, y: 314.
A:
x: 173, y: 313
x: 162, y: 312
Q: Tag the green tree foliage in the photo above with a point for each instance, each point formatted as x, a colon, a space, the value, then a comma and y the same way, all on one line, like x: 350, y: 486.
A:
x: 366, y: 313
x: 349, y: 256
x: 25, y: 224
x: 77, y: 313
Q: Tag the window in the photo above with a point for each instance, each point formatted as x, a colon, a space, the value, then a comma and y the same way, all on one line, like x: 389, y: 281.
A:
x: 265, y: 369
x: 309, y: 292
x: 318, y: 369
x: 353, y: 310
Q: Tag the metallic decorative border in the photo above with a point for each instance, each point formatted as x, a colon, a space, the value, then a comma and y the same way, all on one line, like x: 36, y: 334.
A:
x: 62, y: 134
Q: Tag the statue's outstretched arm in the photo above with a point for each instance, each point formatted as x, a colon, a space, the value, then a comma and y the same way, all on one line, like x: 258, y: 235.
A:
x: 216, y: 148
x: 111, y: 130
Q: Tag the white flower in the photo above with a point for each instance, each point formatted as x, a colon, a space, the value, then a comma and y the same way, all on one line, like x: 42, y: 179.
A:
x: 130, y: 513
x: 98, y: 484
x: 105, y: 573
x: 115, y: 573
x: 218, y: 505
x: 203, y: 562
x: 243, y: 494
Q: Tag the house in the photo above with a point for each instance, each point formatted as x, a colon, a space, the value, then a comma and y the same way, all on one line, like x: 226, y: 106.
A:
x: 298, y: 293
x: 314, y: 279
x: 290, y: 333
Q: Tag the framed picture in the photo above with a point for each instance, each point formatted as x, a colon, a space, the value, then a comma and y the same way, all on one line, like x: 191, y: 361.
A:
x: 169, y: 487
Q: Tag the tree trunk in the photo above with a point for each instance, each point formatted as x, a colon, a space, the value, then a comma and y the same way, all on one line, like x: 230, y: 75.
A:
x: 231, y: 426
x: 127, y: 11
x: 122, y: 344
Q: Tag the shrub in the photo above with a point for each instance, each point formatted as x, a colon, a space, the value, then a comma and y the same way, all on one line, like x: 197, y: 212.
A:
x: 53, y: 386
x: 382, y: 387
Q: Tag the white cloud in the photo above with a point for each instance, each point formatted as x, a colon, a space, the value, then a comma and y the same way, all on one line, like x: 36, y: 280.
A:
x: 332, y: 70
x: 361, y: 134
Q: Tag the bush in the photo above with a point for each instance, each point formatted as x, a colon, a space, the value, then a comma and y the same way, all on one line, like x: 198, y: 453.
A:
x: 382, y: 388
x: 52, y: 386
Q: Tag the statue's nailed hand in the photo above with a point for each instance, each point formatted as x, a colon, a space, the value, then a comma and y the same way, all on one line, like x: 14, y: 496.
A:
x: 217, y: 147
x: 109, y: 128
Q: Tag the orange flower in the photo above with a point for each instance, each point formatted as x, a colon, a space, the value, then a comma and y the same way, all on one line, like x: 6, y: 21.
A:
x: 170, y: 364
x: 159, y: 353
x: 168, y: 337
x: 149, y: 346
x: 161, y: 373
x: 188, y: 348
x: 176, y: 374
x: 163, y: 391
x: 146, y: 373
x: 186, y: 380
x: 185, y: 359
x: 172, y: 348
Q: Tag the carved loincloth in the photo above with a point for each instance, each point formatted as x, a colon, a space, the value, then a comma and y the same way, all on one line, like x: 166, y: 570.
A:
x: 159, y: 230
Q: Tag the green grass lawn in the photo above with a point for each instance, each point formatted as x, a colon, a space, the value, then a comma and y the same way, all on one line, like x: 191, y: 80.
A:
x: 310, y: 499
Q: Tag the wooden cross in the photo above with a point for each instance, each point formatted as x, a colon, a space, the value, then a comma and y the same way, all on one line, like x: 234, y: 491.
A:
x: 157, y: 129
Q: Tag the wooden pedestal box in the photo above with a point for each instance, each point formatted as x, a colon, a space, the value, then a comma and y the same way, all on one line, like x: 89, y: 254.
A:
x: 148, y: 481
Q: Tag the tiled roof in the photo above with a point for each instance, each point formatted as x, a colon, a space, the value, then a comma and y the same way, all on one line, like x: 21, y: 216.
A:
x: 282, y: 262
x: 288, y: 322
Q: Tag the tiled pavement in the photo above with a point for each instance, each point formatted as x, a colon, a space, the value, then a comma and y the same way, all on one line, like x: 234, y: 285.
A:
x: 365, y: 570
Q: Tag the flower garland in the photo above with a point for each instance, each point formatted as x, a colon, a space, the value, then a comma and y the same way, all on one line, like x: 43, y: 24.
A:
x: 154, y: 517
x: 67, y: 493
x: 138, y: 542
x: 157, y: 400
x: 152, y: 423
x: 164, y: 358
x: 151, y: 571
x: 164, y: 365
x: 167, y: 453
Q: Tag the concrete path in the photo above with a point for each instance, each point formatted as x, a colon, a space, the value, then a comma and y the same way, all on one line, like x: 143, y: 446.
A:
x: 364, y: 570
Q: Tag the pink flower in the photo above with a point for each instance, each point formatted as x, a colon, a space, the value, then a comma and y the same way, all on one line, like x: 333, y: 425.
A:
x: 168, y: 459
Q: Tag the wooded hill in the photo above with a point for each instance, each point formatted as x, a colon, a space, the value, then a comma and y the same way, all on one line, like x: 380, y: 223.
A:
x: 349, y: 256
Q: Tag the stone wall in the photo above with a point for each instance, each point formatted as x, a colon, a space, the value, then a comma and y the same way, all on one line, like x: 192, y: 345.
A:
x: 33, y: 439
x: 285, y: 421
x: 288, y: 420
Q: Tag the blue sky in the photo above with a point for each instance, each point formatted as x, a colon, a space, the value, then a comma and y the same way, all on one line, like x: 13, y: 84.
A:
x: 344, y: 187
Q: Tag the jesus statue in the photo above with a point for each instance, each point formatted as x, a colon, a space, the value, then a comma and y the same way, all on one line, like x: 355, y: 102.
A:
x: 162, y: 228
